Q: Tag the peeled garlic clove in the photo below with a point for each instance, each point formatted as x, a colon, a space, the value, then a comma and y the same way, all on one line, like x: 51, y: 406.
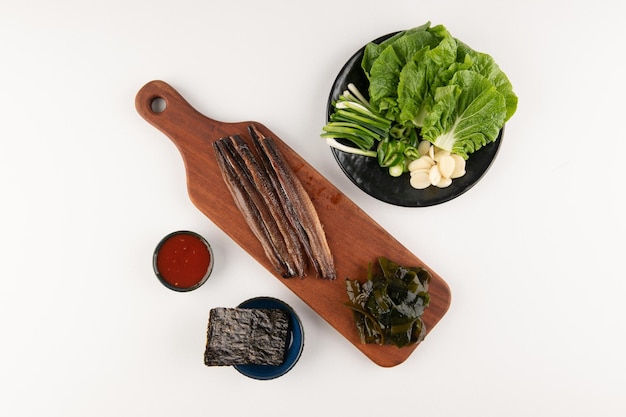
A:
x: 444, y: 182
x: 423, y: 147
x: 421, y: 163
x: 446, y: 166
x: 458, y: 174
x: 440, y: 153
x: 431, y: 152
x: 459, y: 166
x: 420, y: 172
x: 434, y: 175
x: 420, y: 179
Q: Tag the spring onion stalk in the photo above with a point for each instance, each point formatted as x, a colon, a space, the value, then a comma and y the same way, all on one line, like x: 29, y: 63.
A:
x: 349, y: 149
x: 354, y: 120
x: 352, y: 89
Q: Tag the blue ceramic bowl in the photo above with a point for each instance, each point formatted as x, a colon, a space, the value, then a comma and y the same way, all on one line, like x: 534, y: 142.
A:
x: 294, y: 350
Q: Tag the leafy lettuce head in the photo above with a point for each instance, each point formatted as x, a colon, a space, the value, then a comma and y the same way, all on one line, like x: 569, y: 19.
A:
x: 459, y: 98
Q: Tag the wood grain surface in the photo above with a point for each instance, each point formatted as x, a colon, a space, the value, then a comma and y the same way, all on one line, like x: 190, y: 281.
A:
x: 354, y: 237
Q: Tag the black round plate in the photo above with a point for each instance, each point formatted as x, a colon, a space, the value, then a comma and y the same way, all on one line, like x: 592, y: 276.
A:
x: 365, y: 172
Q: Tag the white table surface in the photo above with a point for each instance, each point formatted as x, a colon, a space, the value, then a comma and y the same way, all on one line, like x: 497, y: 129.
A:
x: 534, y: 253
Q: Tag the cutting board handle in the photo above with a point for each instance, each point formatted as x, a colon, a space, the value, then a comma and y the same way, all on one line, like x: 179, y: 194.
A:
x: 164, y: 108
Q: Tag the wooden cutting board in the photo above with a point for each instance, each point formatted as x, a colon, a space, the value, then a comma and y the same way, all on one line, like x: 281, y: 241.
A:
x: 354, y: 238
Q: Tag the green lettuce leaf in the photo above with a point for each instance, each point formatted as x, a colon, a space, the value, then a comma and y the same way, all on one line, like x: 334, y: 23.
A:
x: 413, y: 89
x: 467, y: 115
x: 373, y: 50
x: 486, y: 66
x: 385, y: 70
x: 421, y: 76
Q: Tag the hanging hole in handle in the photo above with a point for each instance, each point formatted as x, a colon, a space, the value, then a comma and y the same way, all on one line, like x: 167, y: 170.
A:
x: 158, y: 105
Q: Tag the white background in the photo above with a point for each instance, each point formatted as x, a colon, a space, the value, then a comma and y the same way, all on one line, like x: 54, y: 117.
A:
x: 534, y: 254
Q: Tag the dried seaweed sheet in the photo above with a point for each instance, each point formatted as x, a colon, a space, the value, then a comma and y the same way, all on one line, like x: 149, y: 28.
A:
x: 243, y: 336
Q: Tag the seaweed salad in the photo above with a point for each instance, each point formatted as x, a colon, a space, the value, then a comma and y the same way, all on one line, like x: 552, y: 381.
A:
x: 388, y: 307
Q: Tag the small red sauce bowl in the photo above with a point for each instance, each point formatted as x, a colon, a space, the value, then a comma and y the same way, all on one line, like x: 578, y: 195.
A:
x: 183, y: 261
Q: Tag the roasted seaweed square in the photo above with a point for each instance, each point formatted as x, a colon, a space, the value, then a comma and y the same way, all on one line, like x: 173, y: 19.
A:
x: 243, y: 336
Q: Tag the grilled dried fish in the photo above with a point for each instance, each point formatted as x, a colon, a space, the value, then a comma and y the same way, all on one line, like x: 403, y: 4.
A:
x: 292, y: 252
x: 297, y: 204
x: 254, y: 209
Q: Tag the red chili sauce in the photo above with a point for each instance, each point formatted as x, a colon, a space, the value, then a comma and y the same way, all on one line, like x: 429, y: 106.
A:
x: 183, y: 260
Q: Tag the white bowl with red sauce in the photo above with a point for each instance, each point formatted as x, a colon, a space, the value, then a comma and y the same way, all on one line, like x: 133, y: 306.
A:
x: 183, y: 261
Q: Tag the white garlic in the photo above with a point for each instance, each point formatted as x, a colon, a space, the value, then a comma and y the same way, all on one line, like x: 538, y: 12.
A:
x: 435, y: 167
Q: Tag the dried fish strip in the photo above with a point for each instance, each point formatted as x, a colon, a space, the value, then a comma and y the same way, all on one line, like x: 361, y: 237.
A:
x: 294, y: 256
x: 246, y: 336
x: 297, y: 204
x: 253, y: 208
